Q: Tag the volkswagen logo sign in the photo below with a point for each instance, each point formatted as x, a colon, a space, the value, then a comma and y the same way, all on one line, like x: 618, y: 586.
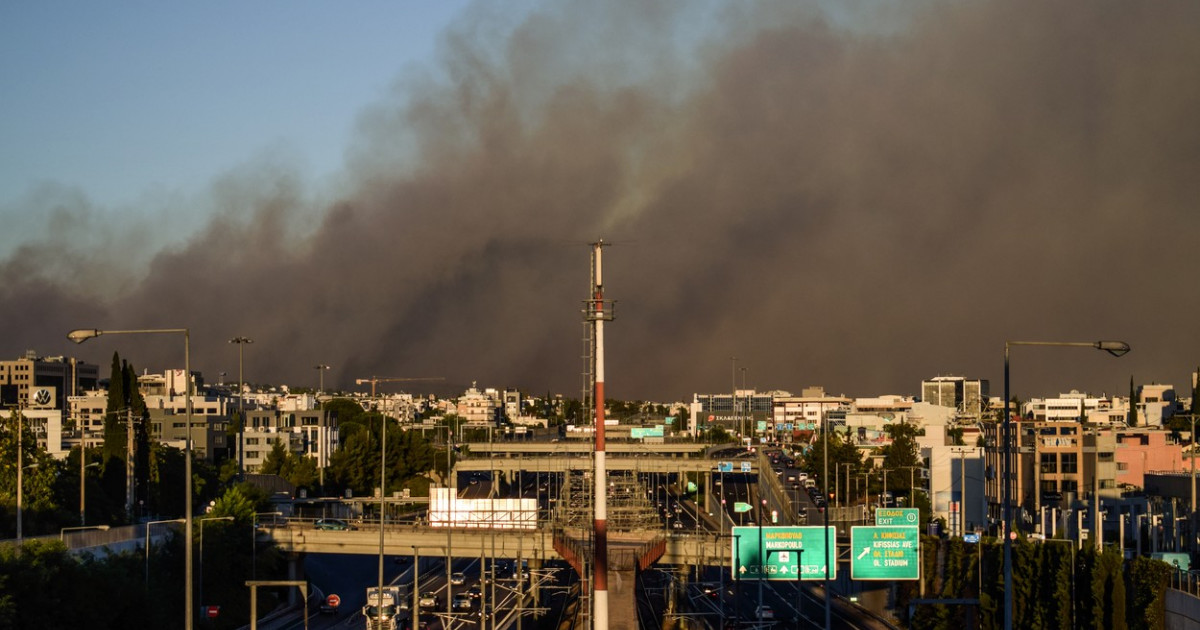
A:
x: 42, y: 397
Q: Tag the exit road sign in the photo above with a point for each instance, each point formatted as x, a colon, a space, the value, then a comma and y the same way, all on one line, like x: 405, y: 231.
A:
x: 898, y: 516
x: 785, y: 553
x: 885, y: 553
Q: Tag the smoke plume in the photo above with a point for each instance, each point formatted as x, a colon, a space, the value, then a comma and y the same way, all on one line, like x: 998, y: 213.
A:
x: 856, y: 199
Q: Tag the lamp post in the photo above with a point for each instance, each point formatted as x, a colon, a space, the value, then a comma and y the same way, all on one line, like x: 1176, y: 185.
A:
x: 1115, y: 348
x: 321, y: 368
x: 254, y: 541
x: 825, y: 529
x: 62, y: 533
x: 201, y: 521
x: 147, y: 547
x: 1071, y: 545
x: 83, y: 334
x: 241, y: 343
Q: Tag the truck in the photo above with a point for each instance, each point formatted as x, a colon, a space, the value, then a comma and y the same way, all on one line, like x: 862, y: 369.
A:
x: 382, y: 608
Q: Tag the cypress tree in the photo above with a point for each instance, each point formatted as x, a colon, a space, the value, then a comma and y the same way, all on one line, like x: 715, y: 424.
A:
x: 114, y: 421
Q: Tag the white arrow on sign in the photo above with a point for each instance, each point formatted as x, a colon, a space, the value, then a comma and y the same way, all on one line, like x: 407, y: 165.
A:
x: 866, y: 550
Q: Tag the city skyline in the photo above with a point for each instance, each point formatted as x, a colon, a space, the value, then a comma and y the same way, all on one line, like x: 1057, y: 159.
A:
x: 855, y: 200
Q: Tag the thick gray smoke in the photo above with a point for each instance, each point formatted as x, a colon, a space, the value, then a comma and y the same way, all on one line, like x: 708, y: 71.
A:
x: 858, y: 200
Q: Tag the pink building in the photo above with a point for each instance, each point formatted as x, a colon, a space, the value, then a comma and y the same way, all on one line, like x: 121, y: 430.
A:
x: 1143, y: 450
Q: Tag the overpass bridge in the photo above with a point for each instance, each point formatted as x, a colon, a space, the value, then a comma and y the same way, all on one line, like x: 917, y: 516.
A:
x: 543, y: 543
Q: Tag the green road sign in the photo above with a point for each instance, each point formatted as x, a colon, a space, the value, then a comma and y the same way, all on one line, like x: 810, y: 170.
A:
x: 910, y: 517
x: 784, y: 553
x: 739, y: 507
x: 885, y: 553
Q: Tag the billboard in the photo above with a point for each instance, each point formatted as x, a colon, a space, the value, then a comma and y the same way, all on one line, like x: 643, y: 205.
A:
x: 447, y: 509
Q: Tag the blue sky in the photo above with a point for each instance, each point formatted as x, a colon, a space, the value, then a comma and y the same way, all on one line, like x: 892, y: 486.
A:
x: 121, y: 99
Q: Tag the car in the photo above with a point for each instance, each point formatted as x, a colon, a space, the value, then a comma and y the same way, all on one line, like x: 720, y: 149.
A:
x: 677, y: 525
x: 332, y: 524
x: 458, y: 579
x: 475, y: 592
x: 711, y: 592
x: 461, y: 601
x: 429, y: 599
x: 764, y: 612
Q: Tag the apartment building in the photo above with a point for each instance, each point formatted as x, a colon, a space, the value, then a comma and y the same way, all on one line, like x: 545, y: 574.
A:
x: 969, y: 396
x: 312, y: 433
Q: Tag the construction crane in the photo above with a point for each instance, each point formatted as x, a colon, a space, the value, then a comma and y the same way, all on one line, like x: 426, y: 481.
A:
x: 374, y: 380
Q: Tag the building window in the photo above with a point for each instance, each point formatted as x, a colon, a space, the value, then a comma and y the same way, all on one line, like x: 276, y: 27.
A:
x: 1070, y: 463
x: 1049, y: 463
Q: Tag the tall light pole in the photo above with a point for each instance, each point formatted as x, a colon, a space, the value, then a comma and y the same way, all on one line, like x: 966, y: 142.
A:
x: 1115, y: 348
x: 321, y: 369
x: 241, y: 342
x: 201, y: 521
x: 374, y: 381
x: 147, y: 547
x: 83, y: 334
x: 825, y: 529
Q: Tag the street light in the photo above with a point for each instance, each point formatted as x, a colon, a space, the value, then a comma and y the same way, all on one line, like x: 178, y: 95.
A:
x: 241, y: 342
x: 321, y: 368
x: 62, y: 533
x: 254, y: 540
x: 83, y: 334
x: 147, y: 547
x: 1115, y: 348
x: 201, y: 521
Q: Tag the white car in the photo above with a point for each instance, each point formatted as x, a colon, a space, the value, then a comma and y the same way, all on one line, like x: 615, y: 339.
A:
x: 458, y: 579
x: 764, y: 612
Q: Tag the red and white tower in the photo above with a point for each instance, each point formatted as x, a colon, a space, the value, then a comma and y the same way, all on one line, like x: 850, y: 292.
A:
x: 598, y: 311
